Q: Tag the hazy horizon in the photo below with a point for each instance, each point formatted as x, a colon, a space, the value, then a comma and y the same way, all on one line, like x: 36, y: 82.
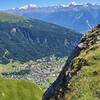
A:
x: 6, y: 4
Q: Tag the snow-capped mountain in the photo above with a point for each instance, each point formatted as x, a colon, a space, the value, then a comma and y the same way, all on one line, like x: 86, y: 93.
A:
x: 25, y: 7
x: 70, y: 5
x: 80, y: 17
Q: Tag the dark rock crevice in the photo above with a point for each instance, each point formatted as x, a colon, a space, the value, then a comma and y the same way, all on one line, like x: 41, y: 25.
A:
x: 56, y: 90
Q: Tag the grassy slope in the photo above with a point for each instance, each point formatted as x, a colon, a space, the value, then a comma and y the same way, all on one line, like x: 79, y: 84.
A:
x: 5, y: 17
x: 19, y: 90
x: 86, y: 85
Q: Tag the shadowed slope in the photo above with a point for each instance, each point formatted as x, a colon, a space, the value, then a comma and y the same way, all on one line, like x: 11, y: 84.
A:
x: 25, y: 39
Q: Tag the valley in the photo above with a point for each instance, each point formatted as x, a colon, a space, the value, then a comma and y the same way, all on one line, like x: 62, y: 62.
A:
x: 43, y: 71
x: 50, y: 52
x: 30, y: 52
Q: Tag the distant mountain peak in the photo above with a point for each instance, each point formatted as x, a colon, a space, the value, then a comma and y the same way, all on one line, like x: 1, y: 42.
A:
x: 71, y: 4
x: 74, y: 4
x: 25, y: 7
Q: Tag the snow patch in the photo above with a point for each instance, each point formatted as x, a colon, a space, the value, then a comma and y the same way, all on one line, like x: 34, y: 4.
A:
x: 25, y: 7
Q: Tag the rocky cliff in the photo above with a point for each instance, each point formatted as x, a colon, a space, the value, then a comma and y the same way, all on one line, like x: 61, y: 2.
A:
x: 79, y: 78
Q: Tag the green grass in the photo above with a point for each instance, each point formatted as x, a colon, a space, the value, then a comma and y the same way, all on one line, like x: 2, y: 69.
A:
x: 86, y: 85
x: 19, y: 90
x: 5, y: 17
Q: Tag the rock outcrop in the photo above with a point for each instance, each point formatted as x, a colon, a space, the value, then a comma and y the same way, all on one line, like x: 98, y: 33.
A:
x: 60, y: 86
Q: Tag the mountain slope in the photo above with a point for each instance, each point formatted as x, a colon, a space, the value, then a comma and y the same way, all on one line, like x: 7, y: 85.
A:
x: 25, y: 39
x: 5, y: 17
x: 19, y: 90
x: 80, y: 17
x: 79, y: 79
x: 86, y: 85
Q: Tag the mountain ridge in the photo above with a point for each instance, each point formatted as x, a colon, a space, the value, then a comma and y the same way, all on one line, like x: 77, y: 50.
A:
x: 72, y: 4
x: 79, y: 17
x: 28, y: 39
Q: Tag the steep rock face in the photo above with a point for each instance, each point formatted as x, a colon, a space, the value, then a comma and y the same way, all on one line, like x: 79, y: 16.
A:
x: 25, y: 39
x: 81, y: 66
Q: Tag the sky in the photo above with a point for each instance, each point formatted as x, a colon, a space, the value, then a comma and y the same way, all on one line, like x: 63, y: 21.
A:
x: 7, y: 4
